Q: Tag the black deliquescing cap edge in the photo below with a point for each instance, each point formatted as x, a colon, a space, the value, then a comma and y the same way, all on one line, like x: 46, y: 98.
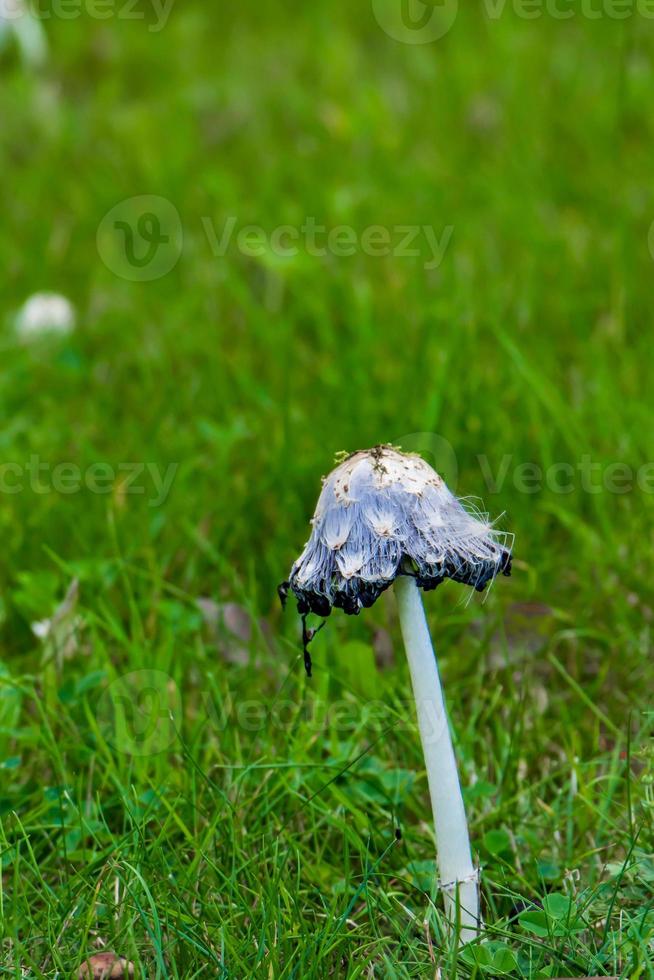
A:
x: 358, y: 595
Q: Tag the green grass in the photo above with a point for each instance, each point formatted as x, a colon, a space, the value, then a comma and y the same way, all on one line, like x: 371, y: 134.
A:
x: 254, y: 834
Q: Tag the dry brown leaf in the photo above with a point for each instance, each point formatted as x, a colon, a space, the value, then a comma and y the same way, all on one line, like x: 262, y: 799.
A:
x: 230, y: 627
x: 382, y: 645
x: 60, y: 634
x: 527, y: 629
x: 106, y: 966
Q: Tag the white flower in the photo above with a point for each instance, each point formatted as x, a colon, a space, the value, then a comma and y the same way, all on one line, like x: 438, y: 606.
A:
x: 383, y: 513
x: 45, y: 313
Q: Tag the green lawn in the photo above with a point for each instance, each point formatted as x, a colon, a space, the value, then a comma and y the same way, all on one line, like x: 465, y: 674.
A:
x: 216, y: 813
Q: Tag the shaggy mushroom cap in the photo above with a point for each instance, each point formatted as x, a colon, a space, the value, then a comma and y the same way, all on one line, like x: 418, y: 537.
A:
x: 384, y: 513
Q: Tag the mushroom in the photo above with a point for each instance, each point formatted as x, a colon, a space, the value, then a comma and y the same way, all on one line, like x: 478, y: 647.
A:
x: 387, y: 518
x: 45, y: 314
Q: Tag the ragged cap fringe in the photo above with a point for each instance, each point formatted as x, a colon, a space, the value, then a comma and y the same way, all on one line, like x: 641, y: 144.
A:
x: 384, y: 513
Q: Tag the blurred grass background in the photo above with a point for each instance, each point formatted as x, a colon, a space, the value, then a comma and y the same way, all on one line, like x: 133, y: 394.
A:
x: 269, y: 850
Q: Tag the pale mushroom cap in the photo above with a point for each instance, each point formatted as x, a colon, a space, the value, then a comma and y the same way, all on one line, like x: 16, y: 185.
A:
x: 383, y: 513
x: 43, y: 313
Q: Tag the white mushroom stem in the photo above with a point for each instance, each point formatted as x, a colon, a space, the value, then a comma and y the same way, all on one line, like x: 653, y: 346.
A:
x: 459, y: 878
